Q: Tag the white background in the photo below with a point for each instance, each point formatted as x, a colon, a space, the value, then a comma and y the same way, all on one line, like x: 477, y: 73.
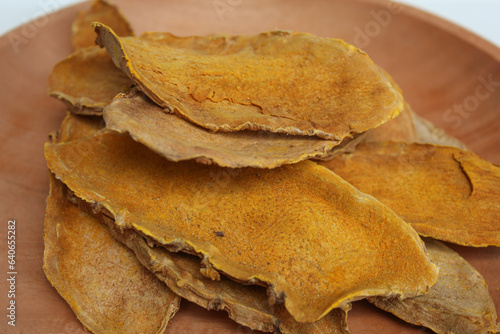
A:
x: 479, y: 16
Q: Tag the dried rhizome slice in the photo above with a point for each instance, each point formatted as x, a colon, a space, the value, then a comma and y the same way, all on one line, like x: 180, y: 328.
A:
x: 312, y: 238
x: 76, y: 126
x: 429, y: 133
x: 246, y: 304
x: 458, y: 303
x: 87, y: 81
x: 101, y: 11
x: 401, y: 129
x: 176, y: 139
x: 409, y: 127
x: 101, y: 280
x: 443, y: 192
x: 277, y: 81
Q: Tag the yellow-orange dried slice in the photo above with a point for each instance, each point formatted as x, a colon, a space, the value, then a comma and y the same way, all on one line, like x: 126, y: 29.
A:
x: 246, y: 304
x: 399, y: 129
x: 429, y: 133
x: 82, y: 33
x: 443, y: 192
x: 77, y: 126
x: 87, y: 81
x: 458, y: 303
x: 312, y: 238
x: 177, y: 139
x: 100, y: 279
x: 278, y: 81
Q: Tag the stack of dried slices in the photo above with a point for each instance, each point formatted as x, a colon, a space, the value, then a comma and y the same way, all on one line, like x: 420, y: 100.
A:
x: 278, y: 177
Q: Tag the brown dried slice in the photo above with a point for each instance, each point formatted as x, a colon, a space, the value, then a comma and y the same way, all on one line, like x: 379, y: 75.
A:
x: 429, y: 133
x: 458, y: 303
x: 399, y: 129
x: 443, y: 192
x: 409, y: 127
x: 315, y: 240
x: 100, y: 11
x: 176, y: 139
x: 346, y: 146
x: 246, y: 304
x: 76, y: 126
x: 278, y: 81
x: 102, y: 280
x: 87, y: 81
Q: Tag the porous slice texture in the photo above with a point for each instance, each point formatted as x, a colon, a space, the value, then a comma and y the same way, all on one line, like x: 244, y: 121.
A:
x: 177, y: 139
x: 87, y: 81
x: 246, y: 304
x: 458, y: 303
x: 278, y: 81
x: 101, y: 11
x: 313, y: 239
x: 101, y: 280
x: 443, y: 192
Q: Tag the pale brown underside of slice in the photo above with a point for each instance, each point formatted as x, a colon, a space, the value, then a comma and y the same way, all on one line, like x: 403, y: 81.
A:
x: 443, y: 192
x: 246, y: 304
x: 102, y: 281
x: 87, y: 81
x: 101, y: 11
x: 177, y: 139
x: 316, y: 241
x: 429, y: 133
x: 278, y: 81
x: 458, y: 303
x: 400, y: 129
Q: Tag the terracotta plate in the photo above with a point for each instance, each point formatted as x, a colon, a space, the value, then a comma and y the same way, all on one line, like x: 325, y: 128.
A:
x: 448, y: 75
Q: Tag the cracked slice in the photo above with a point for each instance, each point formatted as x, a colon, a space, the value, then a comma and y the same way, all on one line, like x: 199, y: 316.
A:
x: 100, y: 279
x: 458, y: 303
x: 313, y: 239
x: 176, y: 139
x: 87, y: 81
x: 246, y: 304
x: 443, y: 192
x: 278, y: 81
x: 101, y: 11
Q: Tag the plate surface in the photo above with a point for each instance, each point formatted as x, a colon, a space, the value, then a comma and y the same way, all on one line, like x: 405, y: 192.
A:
x: 448, y: 75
